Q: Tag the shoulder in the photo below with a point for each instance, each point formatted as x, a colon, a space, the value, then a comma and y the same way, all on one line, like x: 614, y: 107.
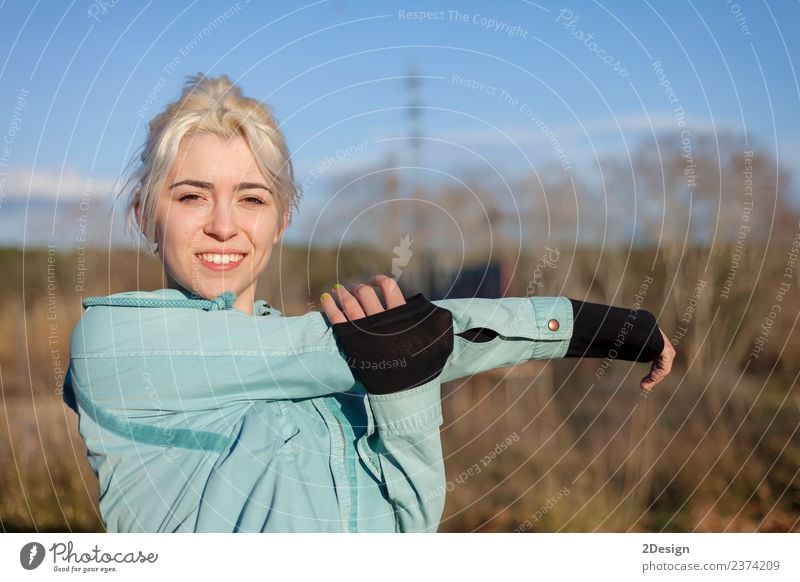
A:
x: 111, y: 320
x: 169, y: 321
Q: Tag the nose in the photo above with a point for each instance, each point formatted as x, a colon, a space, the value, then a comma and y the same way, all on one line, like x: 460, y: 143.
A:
x: 221, y: 222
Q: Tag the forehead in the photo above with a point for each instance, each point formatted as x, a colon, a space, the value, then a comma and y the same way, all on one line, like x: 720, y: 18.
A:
x: 206, y: 156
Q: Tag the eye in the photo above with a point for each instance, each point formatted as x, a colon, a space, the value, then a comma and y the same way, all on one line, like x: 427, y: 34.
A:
x: 255, y: 200
x: 188, y: 198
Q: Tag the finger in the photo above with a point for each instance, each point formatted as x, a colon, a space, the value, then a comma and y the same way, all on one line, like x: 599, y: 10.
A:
x: 331, y: 310
x: 669, y: 359
x: 369, y: 300
x: 392, y: 294
x: 657, y: 373
x: 647, y: 384
x: 663, y: 364
x: 666, y: 363
x: 350, y: 305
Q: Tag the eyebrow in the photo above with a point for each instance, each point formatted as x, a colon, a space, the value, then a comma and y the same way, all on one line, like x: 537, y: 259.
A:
x: 210, y: 186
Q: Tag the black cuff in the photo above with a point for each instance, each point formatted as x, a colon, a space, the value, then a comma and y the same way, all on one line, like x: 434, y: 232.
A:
x: 399, y: 348
x: 604, y: 331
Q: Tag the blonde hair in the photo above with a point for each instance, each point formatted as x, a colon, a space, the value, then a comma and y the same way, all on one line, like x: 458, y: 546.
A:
x: 208, y: 105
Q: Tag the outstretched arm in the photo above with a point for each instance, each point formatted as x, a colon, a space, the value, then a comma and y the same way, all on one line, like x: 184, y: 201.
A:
x: 403, y: 433
x: 146, y: 361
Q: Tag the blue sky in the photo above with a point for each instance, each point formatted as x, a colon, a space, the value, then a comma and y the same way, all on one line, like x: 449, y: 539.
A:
x: 79, y: 80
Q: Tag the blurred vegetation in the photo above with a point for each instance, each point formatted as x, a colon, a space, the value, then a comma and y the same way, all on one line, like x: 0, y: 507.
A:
x: 714, y: 453
x: 714, y: 448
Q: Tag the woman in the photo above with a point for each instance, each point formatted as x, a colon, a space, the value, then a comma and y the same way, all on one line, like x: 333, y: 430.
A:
x: 204, y: 409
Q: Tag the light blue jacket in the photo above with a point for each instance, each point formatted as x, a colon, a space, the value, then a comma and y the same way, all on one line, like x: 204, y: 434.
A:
x: 200, y: 417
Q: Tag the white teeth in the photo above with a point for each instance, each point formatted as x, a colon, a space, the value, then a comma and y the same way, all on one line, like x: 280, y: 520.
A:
x: 221, y: 259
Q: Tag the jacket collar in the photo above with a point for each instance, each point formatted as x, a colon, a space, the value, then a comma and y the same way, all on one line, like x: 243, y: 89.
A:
x: 260, y: 306
x: 178, y: 298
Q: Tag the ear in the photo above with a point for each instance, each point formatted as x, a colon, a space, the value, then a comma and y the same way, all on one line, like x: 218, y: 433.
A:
x: 137, y: 203
x: 137, y: 207
x: 282, y: 227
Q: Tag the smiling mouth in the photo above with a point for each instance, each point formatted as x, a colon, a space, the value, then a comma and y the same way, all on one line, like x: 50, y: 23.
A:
x: 220, y: 260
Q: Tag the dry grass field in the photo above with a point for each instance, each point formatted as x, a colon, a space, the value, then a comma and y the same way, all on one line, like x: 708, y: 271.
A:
x: 543, y: 446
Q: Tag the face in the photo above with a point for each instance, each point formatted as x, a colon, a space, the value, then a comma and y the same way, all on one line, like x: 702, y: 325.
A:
x: 216, y: 220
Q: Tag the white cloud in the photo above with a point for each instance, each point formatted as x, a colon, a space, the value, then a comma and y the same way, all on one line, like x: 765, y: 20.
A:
x: 527, y: 132
x: 67, y: 183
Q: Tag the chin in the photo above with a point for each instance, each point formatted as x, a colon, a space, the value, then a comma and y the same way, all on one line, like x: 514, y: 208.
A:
x: 209, y: 289
x: 217, y: 289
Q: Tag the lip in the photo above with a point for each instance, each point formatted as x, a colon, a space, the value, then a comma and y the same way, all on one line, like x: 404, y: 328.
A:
x: 221, y: 266
x: 219, y: 251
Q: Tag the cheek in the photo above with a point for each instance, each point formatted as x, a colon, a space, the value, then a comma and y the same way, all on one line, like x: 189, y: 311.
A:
x: 262, y: 230
x: 179, y: 234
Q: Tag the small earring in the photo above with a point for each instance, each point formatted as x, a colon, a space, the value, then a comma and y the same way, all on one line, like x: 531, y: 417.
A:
x: 152, y: 248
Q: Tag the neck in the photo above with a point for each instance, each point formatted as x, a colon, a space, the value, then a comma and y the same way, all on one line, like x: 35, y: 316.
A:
x: 244, y: 301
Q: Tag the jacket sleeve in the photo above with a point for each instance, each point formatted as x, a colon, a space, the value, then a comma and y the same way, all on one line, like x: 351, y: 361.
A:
x: 601, y: 331
x: 404, y: 435
x: 521, y: 329
x: 146, y: 361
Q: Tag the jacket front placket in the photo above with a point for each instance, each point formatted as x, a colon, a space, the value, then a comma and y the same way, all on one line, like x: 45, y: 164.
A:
x: 342, y: 460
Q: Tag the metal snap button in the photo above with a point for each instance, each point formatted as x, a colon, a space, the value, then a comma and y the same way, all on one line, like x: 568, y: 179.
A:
x: 553, y: 325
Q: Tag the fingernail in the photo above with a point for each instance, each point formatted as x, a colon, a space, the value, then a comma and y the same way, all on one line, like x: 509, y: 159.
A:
x: 325, y: 296
x: 338, y: 285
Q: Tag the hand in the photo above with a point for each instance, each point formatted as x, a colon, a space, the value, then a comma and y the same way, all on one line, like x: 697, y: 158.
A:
x: 389, y: 352
x: 360, y: 300
x: 660, y: 368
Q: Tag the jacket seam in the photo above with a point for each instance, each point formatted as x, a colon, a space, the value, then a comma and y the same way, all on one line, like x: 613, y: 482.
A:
x: 153, y: 435
x: 349, y: 460
x: 196, y: 353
